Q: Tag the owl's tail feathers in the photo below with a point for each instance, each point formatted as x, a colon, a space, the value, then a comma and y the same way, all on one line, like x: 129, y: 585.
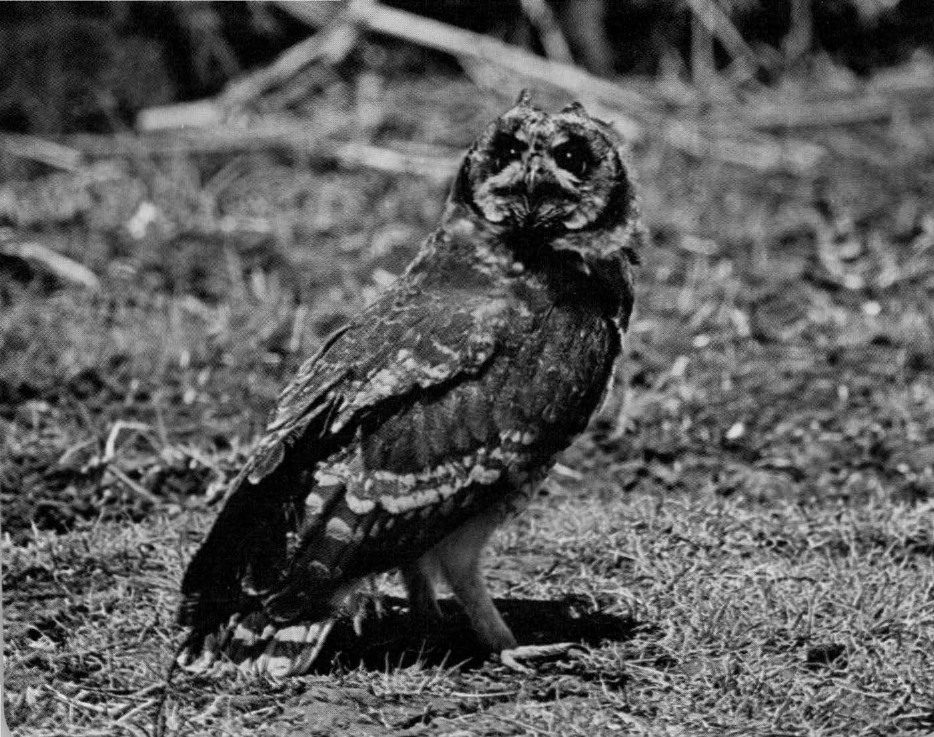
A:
x: 255, y: 645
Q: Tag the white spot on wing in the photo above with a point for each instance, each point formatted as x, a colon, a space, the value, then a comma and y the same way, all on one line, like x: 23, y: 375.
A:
x: 358, y: 505
x: 314, y: 503
x: 294, y: 633
x: 338, y: 530
x: 327, y: 479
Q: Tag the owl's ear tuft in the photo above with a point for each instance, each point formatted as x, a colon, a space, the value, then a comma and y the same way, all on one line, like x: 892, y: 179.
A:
x: 575, y: 108
x: 460, y: 188
x: 524, y: 99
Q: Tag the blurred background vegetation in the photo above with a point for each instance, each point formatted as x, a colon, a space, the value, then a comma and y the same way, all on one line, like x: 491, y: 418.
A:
x: 71, y: 67
x: 193, y: 194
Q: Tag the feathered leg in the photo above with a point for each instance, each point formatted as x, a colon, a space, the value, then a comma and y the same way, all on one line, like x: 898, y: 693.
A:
x: 459, y: 557
x: 426, y: 616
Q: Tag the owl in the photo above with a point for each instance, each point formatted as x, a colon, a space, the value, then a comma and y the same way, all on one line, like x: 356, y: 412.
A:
x: 433, y: 416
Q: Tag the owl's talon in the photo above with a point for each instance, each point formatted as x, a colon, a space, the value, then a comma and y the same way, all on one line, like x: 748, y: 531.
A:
x: 511, y: 657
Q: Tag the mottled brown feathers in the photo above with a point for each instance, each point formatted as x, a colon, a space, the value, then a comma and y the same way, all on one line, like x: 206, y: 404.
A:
x: 443, y: 403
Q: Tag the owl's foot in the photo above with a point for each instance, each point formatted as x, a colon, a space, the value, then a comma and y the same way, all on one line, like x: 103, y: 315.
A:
x: 535, y: 653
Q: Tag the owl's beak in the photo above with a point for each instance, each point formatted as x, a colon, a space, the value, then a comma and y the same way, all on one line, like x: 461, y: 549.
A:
x: 534, y: 175
x: 540, y: 184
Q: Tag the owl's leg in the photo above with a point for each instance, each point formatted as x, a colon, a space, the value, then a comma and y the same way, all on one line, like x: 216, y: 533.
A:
x: 467, y: 583
x: 459, y: 558
x: 423, y: 605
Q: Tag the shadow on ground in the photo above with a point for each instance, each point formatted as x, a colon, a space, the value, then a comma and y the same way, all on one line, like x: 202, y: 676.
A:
x: 389, y: 638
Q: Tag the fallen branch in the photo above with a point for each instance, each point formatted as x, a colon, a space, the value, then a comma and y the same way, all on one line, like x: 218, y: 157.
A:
x: 823, y: 114
x: 384, y: 159
x: 291, y: 136
x: 216, y: 138
x: 737, y: 145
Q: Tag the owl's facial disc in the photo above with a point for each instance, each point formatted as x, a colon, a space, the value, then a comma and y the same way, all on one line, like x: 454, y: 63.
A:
x: 539, y: 172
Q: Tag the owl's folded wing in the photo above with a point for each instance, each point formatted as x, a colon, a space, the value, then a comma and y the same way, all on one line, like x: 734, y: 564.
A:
x: 408, y: 341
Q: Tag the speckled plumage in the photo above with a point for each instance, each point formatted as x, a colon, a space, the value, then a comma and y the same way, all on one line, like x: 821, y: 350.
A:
x: 433, y: 414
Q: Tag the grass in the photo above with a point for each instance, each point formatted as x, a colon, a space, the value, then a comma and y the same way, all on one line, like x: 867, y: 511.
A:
x: 744, y: 539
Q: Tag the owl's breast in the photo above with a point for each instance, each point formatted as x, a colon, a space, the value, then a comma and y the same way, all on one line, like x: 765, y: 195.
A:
x: 555, y: 375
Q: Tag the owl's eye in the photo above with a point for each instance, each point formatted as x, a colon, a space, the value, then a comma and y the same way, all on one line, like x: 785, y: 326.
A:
x: 507, y: 148
x: 574, y: 156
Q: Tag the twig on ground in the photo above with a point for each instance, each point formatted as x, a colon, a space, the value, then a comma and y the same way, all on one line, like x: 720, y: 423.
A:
x: 384, y: 159
x: 76, y: 703
x: 132, y: 485
x: 47, y: 260
x: 160, y: 716
x: 110, y: 446
x: 270, y: 134
x: 136, y: 710
x: 42, y: 150
x: 197, y: 114
x: 828, y: 113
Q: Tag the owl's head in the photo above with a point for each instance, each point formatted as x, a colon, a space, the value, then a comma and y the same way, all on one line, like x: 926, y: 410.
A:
x: 563, y: 175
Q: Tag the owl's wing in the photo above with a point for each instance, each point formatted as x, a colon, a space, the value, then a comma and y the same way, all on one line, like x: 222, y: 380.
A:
x: 409, y: 341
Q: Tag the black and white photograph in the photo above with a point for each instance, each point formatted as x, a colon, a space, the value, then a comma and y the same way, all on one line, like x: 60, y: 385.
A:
x: 451, y: 368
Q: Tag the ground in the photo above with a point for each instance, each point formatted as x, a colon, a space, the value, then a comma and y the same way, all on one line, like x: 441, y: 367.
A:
x: 743, y: 540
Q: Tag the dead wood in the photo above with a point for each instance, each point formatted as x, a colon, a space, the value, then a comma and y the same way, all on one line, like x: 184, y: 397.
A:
x: 462, y: 43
